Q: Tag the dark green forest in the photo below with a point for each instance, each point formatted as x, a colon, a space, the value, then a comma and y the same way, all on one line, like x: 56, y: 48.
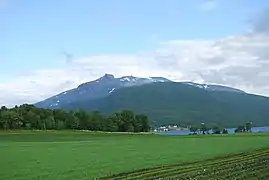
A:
x: 32, y: 118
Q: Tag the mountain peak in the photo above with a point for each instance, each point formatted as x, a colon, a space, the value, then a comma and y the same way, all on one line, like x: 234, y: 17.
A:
x: 106, y: 77
x: 111, y: 76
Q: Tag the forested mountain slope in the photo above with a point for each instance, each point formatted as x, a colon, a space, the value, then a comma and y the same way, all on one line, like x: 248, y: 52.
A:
x: 179, y: 103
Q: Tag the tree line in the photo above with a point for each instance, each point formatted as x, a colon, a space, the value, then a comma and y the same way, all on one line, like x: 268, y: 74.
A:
x: 244, y: 128
x: 204, y: 129
x: 29, y: 117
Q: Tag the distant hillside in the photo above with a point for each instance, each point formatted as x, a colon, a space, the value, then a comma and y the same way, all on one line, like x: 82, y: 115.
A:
x: 107, y: 84
x: 98, y: 88
x: 174, y: 103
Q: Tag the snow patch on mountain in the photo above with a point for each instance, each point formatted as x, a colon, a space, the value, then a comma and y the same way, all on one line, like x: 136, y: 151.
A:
x: 209, y: 87
x: 124, y: 79
x: 111, y: 90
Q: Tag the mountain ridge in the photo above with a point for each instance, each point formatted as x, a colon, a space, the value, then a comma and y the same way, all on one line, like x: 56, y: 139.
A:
x: 107, y: 84
x: 98, y: 88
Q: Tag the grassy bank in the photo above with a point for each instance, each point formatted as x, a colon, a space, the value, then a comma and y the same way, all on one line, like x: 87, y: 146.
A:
x: 85, y: 155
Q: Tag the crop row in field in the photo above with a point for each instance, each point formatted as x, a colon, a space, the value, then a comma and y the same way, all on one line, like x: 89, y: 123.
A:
x: 247, y: 166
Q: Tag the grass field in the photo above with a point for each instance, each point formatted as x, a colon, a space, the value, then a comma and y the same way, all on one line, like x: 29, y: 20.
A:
x: 253, y: 165
x: 82, y: 155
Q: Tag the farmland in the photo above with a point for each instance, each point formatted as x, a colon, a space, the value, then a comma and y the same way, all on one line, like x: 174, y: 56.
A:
x: 87, y: 155
x: 247, y: 165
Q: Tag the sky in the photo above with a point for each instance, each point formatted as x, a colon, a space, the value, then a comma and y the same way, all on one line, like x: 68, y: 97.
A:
x: 47, y: 47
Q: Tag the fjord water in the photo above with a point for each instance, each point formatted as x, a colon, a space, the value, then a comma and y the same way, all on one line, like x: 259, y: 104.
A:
x: 230, y: 130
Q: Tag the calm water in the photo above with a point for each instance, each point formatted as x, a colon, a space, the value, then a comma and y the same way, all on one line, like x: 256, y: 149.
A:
x: 230, y: 130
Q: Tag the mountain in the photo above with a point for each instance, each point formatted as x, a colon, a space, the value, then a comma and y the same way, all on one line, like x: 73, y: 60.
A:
x: 165, y: 101
x: 181, y: 103
x: 106, y: 84
x: 214, y: 87
x: 98, y: 88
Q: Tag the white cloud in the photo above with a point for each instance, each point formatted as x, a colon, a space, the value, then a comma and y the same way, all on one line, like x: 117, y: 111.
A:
x: 240, y: 61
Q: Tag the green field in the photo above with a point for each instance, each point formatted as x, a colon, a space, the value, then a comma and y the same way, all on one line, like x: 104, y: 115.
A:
x: 82, y: 155
x: 250, y: 165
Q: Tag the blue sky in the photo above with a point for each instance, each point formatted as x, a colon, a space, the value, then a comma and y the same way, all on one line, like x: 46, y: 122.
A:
x: 35, y: 33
